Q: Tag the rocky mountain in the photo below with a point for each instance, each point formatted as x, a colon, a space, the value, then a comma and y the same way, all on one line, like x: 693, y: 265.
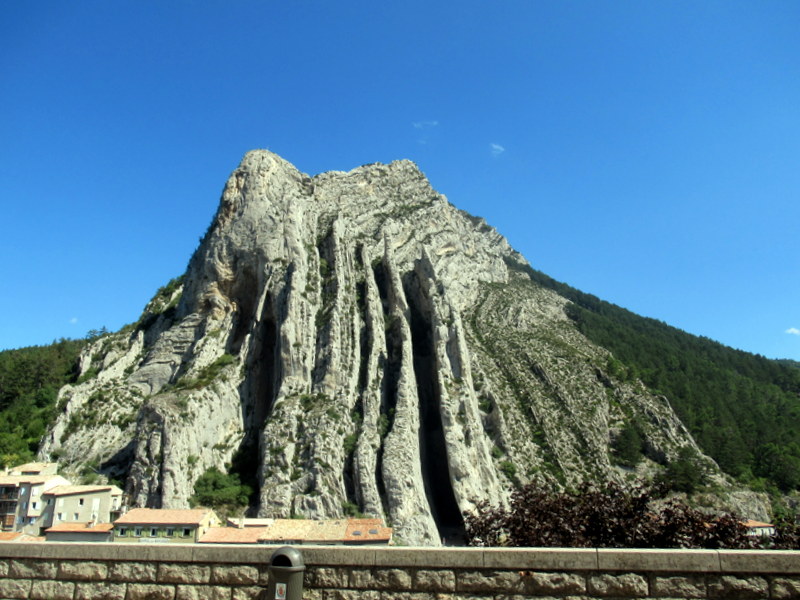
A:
x: 354, y: 339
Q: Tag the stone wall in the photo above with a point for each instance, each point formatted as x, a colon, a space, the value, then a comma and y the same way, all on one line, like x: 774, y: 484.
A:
x: 56, y: 571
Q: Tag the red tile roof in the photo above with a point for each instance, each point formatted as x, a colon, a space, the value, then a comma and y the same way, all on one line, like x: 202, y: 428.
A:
x: 160, y: 516
x: 81, y: 527
x: 232, y: 535
x: 68, y: 490
x: 18, y: 536
x: 30, y: 479
x: 750, y: 523
x: 367, y: 530
x: 33, y: 467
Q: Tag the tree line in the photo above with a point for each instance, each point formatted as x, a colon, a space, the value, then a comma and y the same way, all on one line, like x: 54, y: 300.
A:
x: 29, y: 382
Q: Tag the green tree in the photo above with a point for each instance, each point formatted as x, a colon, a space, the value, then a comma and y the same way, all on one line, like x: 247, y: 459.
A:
x: 684, y: 474
x: 220, y: 491
x: 778, y: 464
x: 627, y: 446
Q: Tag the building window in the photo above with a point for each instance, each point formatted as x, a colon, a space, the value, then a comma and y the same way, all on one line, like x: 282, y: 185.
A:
x: 31, y: 521
x: 75, y: 516
x: 153, y: 531
x: 137, y: 532
x: 80, y: 501
x: 122, y: 531
x: 34, y: 505
x: 187, y: 532
x: 170, y: 531
x: 60, y: 516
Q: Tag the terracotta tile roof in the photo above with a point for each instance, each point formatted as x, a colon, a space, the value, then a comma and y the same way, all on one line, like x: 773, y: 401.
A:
x: 332, y: 531
x: 18, y: 536
x: 751, y: 523
x: 367, y: 530
x: 329, y: 531
x: 287, y: 529
x: 159, y: 516
x: 68, y: 490
x: 32, y: 467
x: 249, y: 522
x: 32, y: 479
x: 81, y: 527
x: 232, y: 535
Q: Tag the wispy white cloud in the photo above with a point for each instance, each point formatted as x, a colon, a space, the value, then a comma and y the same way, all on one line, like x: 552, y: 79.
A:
x: 793, y: 331
x: 425, y: 124
x: 73, y: 320
x: 496, y: 149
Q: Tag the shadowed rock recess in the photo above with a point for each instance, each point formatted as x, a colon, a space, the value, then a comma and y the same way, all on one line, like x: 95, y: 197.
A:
x: 352, y: 339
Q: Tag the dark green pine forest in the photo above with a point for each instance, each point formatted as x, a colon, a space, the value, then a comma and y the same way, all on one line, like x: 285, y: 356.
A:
x: 743, y: 409
x: 29, y: 382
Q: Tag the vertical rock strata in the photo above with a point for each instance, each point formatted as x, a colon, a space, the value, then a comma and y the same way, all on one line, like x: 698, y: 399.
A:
x: 356, y: 342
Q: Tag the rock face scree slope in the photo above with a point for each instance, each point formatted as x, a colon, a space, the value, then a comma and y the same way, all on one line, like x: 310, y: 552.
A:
x: 356, y: 341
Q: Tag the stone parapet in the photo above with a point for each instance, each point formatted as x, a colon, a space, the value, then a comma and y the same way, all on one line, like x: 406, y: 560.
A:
x: 74, y: 571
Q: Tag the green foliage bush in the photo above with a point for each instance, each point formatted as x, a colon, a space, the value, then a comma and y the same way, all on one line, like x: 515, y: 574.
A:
x: 207, y: 374
x: 628, y: 446
x: 220, y: 491
x: 684, y: 474
x: 601, y: 517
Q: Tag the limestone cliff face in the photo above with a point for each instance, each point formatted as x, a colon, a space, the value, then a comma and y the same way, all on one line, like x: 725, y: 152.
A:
x: 359, y: 341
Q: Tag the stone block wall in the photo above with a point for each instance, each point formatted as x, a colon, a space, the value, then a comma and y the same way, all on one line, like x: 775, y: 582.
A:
x: 77, y: 571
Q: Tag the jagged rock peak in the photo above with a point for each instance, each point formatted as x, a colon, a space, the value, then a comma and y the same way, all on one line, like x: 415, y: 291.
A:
x: 352, y: 342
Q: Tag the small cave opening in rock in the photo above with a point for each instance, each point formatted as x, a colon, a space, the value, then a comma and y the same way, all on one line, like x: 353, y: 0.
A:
x: 432, y: 443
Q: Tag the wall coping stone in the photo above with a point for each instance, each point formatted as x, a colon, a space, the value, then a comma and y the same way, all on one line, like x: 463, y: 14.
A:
x: 660, y: 560
x: 539, y: 559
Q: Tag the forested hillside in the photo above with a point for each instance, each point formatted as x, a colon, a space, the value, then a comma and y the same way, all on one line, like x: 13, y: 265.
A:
x: 29, y: 381
x: 743, y: 409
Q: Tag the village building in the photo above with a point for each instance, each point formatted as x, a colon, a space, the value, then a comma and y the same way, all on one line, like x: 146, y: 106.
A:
x: 22, y: 502
x: 759, y: 529
x: 164, y: 526
x: 33, y: 497
x: 81, y: 504
x: 80, y: 532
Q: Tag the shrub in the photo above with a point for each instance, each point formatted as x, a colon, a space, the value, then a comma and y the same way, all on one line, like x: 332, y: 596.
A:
x: 607, y: 517
x: 221, y: 491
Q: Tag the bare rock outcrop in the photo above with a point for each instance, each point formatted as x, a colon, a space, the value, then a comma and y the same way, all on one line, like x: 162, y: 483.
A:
x: 355, y: 341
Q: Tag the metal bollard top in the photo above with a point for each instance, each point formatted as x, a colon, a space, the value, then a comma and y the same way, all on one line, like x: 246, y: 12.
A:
x: 286, y: 556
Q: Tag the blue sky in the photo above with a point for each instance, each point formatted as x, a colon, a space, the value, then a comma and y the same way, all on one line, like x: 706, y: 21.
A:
x: 645, y: 152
